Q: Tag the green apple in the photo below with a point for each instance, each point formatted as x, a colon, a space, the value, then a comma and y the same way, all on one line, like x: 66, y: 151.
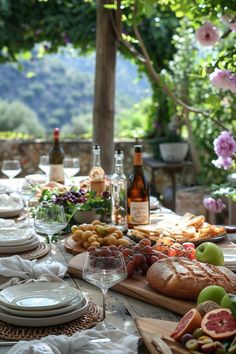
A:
x: 209, y: 252
x: 228, y: 300
x: 213, y: 293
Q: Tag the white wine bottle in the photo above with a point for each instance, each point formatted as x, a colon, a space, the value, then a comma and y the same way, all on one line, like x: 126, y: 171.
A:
x: 56, y: 156
x: 138, y: 204
x: 97, y: 174
x: 119, y: 193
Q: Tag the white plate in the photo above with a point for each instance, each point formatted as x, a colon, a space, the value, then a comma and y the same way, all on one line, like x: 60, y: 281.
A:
x: 36, y: 179
x: 14, y: 236
x: 38, y: 295
x: 74, y: 304
x: 44, y: 321
x: 34, y: 242
x: 229, y: 256
x: 7, y: 223
x: 10, y: 213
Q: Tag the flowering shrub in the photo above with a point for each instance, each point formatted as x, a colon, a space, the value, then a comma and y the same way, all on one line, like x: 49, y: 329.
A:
x: 225, y: 149
x: 207, y: 35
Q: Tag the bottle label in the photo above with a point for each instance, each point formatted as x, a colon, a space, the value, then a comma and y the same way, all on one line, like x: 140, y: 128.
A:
x: 139, y: 213
x: 56, y: 173
x: 97, y: 186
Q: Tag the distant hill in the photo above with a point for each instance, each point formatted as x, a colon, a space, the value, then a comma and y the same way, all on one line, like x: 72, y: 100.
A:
x: 60, y: 87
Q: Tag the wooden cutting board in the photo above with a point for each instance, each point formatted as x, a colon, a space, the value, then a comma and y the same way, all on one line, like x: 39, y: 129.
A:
x: 149, y: 327
x: 72, y: 247
x: 138, y: 288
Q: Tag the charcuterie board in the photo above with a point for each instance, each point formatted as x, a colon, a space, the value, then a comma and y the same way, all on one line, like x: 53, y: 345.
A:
x: 138, y: 288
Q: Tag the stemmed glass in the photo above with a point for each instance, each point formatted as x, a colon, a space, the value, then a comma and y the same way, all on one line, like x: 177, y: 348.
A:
x: 104, y: 269
x: 49, y: 219
x: 26, y: 193
x: 71, y: 166
x: 44, y: 164
x: 11, y: 168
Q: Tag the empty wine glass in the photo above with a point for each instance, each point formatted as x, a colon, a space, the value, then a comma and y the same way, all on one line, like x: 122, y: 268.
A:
x: 71, y: 166
x: 49, y: 219
x: 26, y: 193
x: 11, y: 168
x: 44, y: 164
x: 104, y: 269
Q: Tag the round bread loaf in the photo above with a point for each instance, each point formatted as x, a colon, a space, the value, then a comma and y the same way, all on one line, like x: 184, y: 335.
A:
x: 182, y: 278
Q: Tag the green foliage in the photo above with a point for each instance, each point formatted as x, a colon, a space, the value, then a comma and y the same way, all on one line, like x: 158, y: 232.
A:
x: 15, y: 136
x: 133, y: 122
x: 50, y: 23
x: 17, y: 117
x: 186, y: 78
x: 80, y: 200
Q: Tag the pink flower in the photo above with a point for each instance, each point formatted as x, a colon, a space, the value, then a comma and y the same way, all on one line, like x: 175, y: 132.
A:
x: 223, y: 162
x: 225, y: 145
x: 214, y: 205
x: 223, y: 79
x: 207, y: 35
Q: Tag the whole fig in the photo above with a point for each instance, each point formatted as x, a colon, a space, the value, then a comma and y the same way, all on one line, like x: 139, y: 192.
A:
x: 207, y: 306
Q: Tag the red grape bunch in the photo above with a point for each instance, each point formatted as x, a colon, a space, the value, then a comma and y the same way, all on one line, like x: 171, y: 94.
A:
x: 138, y: 257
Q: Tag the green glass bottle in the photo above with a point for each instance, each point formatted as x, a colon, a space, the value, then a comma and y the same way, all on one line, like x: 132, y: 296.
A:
x: 56, y: 156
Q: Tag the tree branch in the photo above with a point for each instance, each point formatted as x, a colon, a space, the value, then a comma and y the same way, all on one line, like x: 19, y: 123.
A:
x: 144, y: 58
x: 156, y: 77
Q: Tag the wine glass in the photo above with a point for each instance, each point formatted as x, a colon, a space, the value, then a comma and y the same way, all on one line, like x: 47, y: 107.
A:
x: 11, y: 168
x: 71, y: 166
x: 104, y: 268
x: 49, y: 219
x: 44, y: 164
x: 26, y: 193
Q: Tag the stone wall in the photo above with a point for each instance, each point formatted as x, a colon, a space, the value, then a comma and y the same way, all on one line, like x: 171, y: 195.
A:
x: 28, y: 152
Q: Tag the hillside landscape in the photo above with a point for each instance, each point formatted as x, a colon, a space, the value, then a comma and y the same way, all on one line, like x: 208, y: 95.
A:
x: 59, y: 89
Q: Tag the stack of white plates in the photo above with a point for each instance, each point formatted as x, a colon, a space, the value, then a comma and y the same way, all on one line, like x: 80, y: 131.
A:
x: 14, y: 240
x: 230, y: 258
x: 41, y: 304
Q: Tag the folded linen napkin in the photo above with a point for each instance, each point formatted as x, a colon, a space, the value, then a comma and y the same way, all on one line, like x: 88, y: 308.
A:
x: 118, y: 342
x: 10, y: 201
x: 14, y: 269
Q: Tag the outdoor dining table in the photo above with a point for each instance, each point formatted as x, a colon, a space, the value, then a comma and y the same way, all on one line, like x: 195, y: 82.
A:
x: 121, y: 309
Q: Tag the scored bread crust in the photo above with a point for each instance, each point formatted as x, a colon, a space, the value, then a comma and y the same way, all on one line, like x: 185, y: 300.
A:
x: 182, y: 278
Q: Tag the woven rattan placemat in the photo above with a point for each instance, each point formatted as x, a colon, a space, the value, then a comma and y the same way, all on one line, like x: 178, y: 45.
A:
x: 39, y: 252
x: 89, y: 319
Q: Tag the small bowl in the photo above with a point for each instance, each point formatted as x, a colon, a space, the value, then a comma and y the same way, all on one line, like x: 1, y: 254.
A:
x: 174, y: 152
x: 85, y: 216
